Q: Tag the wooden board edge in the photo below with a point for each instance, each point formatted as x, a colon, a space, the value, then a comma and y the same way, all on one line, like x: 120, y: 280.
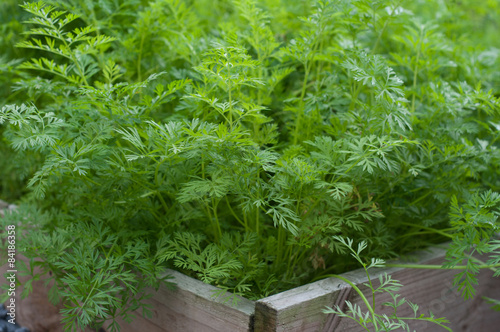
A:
x: 325, y: 286
x: 206, y: 291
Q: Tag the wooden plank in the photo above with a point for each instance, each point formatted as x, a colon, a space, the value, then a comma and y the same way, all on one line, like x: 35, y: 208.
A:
x: 433, y: 291
x: 34, y: 312
x: 5, y: 206
x: 299, y: 309
x: 192, y: 307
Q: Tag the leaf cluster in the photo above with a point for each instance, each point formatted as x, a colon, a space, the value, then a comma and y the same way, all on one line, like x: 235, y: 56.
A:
x: 375, y: 321
x: 151, y: 134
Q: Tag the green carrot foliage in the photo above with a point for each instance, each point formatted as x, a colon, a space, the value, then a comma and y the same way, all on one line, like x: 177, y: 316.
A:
x: 240, y: 142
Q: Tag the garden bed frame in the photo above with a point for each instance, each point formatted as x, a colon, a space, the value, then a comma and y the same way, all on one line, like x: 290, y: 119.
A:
x: 191, y: 306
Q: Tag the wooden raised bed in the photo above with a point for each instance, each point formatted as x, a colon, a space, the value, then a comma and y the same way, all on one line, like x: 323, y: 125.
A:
x: 191, y: 306
x: 299, y: 309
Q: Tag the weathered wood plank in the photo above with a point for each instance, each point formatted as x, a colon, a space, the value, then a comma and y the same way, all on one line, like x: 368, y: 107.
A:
x: 189, y: 307
x: 192, y: 307
x: 5, y: 206
x: 300, y: 309
x: 34, y: 312
x: 433, y: 291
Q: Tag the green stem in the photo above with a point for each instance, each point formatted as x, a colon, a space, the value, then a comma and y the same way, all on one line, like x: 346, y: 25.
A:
x: 311, y: 208
x: 230, y: 109
x: 244, y: 224
x: 298, y: 258
x: 202, y: 166
x: 319, y: 66
x: 289, y: 264
x: 421, y: 197
x: 257, y: 212
x: 139, y: 59
x: 361, y: 295
x: 260, y: 75
x: 426, y: 320
x: 371, y: 285
x: 385, y: 26
x: 256, y: 124
x: 477, y: 260
x: 229, y: 88
x: 160, y: 197
x: 92, y: 181
x: 441, y: 232
x: 162, y: 201
x: 72, y: 54
x: 300, y: 109
x: 354, y: 97
x: 415, y: 76
x: 245, y: 221
x: 280, y: 245
x: 322, y: 275
x: 257, y: 221
x: 307, y: 66
x: 216, y: 219
x: 439, y: 267
x: 421, y: 233
x: 95, y: 282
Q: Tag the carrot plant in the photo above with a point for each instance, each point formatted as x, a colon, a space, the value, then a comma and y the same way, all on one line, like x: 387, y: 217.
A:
x: 241, y: 141
x: 372, y: 320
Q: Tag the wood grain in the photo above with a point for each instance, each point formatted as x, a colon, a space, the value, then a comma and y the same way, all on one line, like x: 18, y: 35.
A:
x: 34, y: 312
x: 300, y: 309
x: 191, y: 307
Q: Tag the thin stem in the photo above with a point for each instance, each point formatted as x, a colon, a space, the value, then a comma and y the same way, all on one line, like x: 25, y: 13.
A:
x: 441, y: 232
x: 300, y: 109
x: 415, y: 72
x: 256, y: 124
x: 162, y: 201
x: 202, y: 166
x: 96, y: 281
x: 298, y: 258
x: 421, y: 197
x: 371, y: 285
x: 244, y: 224
x: 354, y: 96
x: 207, y: 209
x: 385, y: 26
x: 257, y: 221
x: 260, y: 76
x: 360, y: 293
x: 230, y: 109
x: 425, y: 320
x: 439, y: 267
x: 280, y: 245
x: 229, y: 89
x: 422, y: 233
x: 477, y: 260
x: 216, y: 219
x: 245, y: 221
x: 139, y: 59
x: 73, y: 58
x: 160, y: 197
